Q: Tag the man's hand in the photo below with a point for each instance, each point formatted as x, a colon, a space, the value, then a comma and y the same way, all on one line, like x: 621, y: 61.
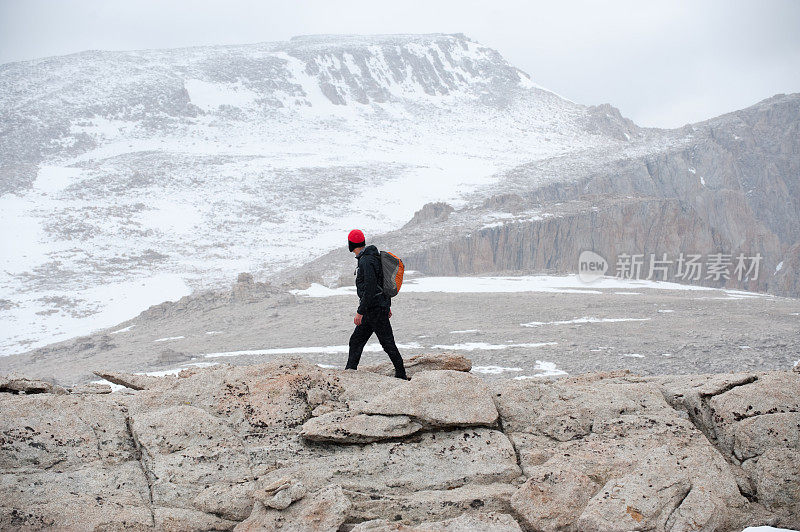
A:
x: 390, y: 313
x: 357, y: 319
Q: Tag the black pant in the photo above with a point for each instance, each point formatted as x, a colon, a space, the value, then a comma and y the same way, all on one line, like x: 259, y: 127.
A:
x: 377, y: 321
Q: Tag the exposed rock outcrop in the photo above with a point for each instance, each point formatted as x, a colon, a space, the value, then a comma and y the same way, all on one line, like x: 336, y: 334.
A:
x: 430, y: 213
x: 289, y: 445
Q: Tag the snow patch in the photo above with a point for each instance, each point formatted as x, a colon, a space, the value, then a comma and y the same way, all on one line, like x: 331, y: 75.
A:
x: 493, y: 370
x: 326, y: 350
x: 544, y: 369
x: 168, y: 338
x: 585, y: 319
x: 767, y: 529
x: 568, y: 284
x: 211, y: 96
x: 53, y: 179
x: 483, y: 346
x: 96, y: 308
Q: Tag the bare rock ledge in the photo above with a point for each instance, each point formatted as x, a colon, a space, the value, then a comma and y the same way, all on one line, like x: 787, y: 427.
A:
x: 291, y: 446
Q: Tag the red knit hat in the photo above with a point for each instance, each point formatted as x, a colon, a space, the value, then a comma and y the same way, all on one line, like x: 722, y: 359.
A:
x: 355, y: 239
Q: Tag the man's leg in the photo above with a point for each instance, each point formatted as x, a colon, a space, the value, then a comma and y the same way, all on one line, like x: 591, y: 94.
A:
x: 357, y: 342
x: 383, y: 329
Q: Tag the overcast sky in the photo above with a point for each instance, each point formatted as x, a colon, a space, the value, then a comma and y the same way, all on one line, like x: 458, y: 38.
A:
x: 663, y: 63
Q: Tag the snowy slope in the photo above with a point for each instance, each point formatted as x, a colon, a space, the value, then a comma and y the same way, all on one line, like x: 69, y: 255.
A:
x: 128, y: 178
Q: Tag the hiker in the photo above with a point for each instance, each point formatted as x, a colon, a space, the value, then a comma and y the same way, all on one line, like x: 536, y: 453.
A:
x: 374, y: 306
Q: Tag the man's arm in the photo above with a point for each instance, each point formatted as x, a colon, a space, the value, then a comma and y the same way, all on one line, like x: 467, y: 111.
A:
x: 370, y: 287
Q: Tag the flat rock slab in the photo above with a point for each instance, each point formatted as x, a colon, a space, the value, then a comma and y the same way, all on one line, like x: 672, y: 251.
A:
x: 130, y: 380
x: 14, y: 384
x: 351, y: 427
x: 436, y: 399
x: 427, y: 461
x: 424, y: 362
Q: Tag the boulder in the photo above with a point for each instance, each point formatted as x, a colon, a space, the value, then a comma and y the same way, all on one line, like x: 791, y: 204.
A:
x: 351, y: 427
x: 281, y: 493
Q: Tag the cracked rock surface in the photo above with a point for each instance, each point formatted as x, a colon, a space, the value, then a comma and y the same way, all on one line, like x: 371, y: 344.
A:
x: 289, y: 445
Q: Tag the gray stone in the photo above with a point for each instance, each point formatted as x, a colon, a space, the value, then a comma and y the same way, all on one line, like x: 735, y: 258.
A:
x: 281, y: 493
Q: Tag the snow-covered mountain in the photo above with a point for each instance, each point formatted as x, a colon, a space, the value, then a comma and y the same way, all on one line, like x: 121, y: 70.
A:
x: 128, y: 178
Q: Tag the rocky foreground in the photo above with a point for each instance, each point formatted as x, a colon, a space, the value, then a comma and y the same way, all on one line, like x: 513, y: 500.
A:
x: 291, y: 446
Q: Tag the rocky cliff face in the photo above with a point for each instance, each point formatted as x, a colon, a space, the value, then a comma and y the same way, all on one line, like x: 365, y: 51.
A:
x: 733, y: 187
x: 288, y: 445
x: 729, y: 186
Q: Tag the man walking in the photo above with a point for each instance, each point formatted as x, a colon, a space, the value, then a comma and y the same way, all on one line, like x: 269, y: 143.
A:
x: 374, y: 306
